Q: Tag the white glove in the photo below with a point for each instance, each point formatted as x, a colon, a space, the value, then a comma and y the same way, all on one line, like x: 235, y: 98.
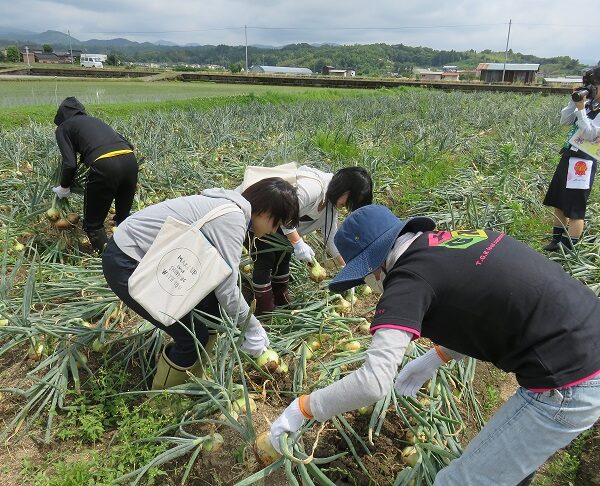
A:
x: 289, y: 421
x: 412, y: 377
x: 302, y: 251
x: 256, y: 341
x: 61, y: 191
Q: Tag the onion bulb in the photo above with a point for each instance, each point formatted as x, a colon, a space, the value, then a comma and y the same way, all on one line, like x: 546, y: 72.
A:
x: 264, y: 450
x: 214, y: 443
x: 53, y: 214
x: 269, y: 360
x: 73, y: 218
x: 368, y: 410
x: 343, y: 307
x: 239, y: 406
x: 99, y: 346
x: 365, y: 290
x: 410, y: 456
x: 62, y: 224
x: 317, y: 272
x: 352, y: 346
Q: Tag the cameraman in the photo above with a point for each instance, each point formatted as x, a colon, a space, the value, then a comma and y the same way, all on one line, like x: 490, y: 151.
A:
x: 570, y: 204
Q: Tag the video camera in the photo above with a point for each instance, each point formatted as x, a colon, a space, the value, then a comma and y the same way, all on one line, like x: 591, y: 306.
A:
x: 590, y: 79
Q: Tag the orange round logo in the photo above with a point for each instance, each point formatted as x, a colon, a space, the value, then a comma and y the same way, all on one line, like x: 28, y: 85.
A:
x: 580, y: 168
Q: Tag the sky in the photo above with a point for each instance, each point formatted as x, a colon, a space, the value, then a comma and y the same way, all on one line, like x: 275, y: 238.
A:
x: 540, y: 27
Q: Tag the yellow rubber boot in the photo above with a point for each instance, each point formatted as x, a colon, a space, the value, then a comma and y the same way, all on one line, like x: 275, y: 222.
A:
x: 168, y: 374
x: 198, y: 369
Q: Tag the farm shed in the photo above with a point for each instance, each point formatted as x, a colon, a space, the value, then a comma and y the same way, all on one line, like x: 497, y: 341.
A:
x: 280, y: 70
x: 491, y: 72
x: 564, y: 81
x: 47, y: 58
x: 332, y: 71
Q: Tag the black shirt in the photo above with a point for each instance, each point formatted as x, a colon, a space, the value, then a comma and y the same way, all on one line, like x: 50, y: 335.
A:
x: 491, y: 297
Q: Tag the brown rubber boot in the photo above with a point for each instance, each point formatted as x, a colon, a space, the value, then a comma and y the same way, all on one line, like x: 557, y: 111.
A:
x: 263, y: 294
x: 280, y: 284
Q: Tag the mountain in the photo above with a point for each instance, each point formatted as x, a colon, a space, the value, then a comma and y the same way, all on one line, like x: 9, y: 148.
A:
x: 162, y: 42
x: 48, y: 37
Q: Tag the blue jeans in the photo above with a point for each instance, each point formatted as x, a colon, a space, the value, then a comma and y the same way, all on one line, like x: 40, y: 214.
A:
x: 523, y: 434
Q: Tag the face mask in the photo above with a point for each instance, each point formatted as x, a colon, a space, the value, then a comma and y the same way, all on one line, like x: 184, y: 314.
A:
x: 376, y: 285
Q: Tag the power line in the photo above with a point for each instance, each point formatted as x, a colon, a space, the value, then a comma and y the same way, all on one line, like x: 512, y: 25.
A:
x: 260, y: 27
x: 325, y: 28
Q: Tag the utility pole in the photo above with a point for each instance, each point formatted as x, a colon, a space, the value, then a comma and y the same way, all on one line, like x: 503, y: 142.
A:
x: 27, y: 54
x: 70, y: 46
x: 246, y: 36
x: 506, y: 50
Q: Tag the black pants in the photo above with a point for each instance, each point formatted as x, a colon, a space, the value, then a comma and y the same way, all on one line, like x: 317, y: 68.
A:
x: 118, y: 267
x: 268, y: 262
x: 108, y: 180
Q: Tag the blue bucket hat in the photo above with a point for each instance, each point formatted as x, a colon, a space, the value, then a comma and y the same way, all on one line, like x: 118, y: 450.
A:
x: 364, y: 240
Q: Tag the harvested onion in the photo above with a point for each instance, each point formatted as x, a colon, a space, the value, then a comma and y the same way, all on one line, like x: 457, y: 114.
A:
x: 264, y: 450
x: 53, y: 214
x: 317, y: 272
x: 62, y: 224
x: 269, y: 360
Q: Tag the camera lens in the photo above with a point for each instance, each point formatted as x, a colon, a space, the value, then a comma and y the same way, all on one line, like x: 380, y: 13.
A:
x: 579, y: 95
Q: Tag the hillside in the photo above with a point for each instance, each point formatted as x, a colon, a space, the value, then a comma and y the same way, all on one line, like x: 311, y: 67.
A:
x: 366, y: 59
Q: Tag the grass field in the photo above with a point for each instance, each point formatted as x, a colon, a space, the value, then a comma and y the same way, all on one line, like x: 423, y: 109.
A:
x: 101, y: 91
x: 25, y: 100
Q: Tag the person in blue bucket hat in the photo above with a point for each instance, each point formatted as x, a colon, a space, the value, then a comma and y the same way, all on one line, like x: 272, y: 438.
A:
x: 477, y: 293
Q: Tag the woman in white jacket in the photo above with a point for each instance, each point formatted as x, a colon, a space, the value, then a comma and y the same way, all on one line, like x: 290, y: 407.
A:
x: 320, y: 195
x: 264, y: 207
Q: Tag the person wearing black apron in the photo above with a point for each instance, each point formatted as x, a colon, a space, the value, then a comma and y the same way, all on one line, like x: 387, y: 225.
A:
x: 569, y: 199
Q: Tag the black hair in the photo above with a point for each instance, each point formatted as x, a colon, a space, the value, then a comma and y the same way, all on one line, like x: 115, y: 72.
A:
x: 592, y: 75
x: 354, y: 180
x: 275, y: 196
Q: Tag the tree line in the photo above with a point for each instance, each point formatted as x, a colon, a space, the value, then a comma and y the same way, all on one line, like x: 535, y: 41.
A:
x: 366, y: 59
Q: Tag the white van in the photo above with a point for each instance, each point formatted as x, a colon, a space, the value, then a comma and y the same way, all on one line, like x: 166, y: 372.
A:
x: 91, y: 61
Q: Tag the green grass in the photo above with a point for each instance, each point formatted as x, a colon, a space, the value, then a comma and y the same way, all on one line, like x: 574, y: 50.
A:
x: 102, y: 431
x: 25, y: 100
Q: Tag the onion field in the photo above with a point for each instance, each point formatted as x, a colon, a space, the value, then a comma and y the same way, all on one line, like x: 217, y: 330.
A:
x: 75, y: 363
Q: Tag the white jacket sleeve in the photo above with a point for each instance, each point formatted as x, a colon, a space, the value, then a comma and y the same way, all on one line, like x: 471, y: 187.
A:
x: 589, y: 128
x: 367, y: 385
x: 329, y: 233
x: 227, y: 234
x: 567, y: 114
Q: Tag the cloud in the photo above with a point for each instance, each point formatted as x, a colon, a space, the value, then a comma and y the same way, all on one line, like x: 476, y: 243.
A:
x: 539, y: 27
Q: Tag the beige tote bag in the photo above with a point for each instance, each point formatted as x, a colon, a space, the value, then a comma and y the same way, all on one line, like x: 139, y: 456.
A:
x: 180, y: 269
x: 254, y: 173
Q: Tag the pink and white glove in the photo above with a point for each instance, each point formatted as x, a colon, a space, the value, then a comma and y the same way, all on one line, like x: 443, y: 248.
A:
x: 412, y: 376
x: 302, y: 251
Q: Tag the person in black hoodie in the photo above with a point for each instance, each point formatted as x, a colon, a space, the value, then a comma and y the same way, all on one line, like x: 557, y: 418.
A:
x: 113, y: 167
